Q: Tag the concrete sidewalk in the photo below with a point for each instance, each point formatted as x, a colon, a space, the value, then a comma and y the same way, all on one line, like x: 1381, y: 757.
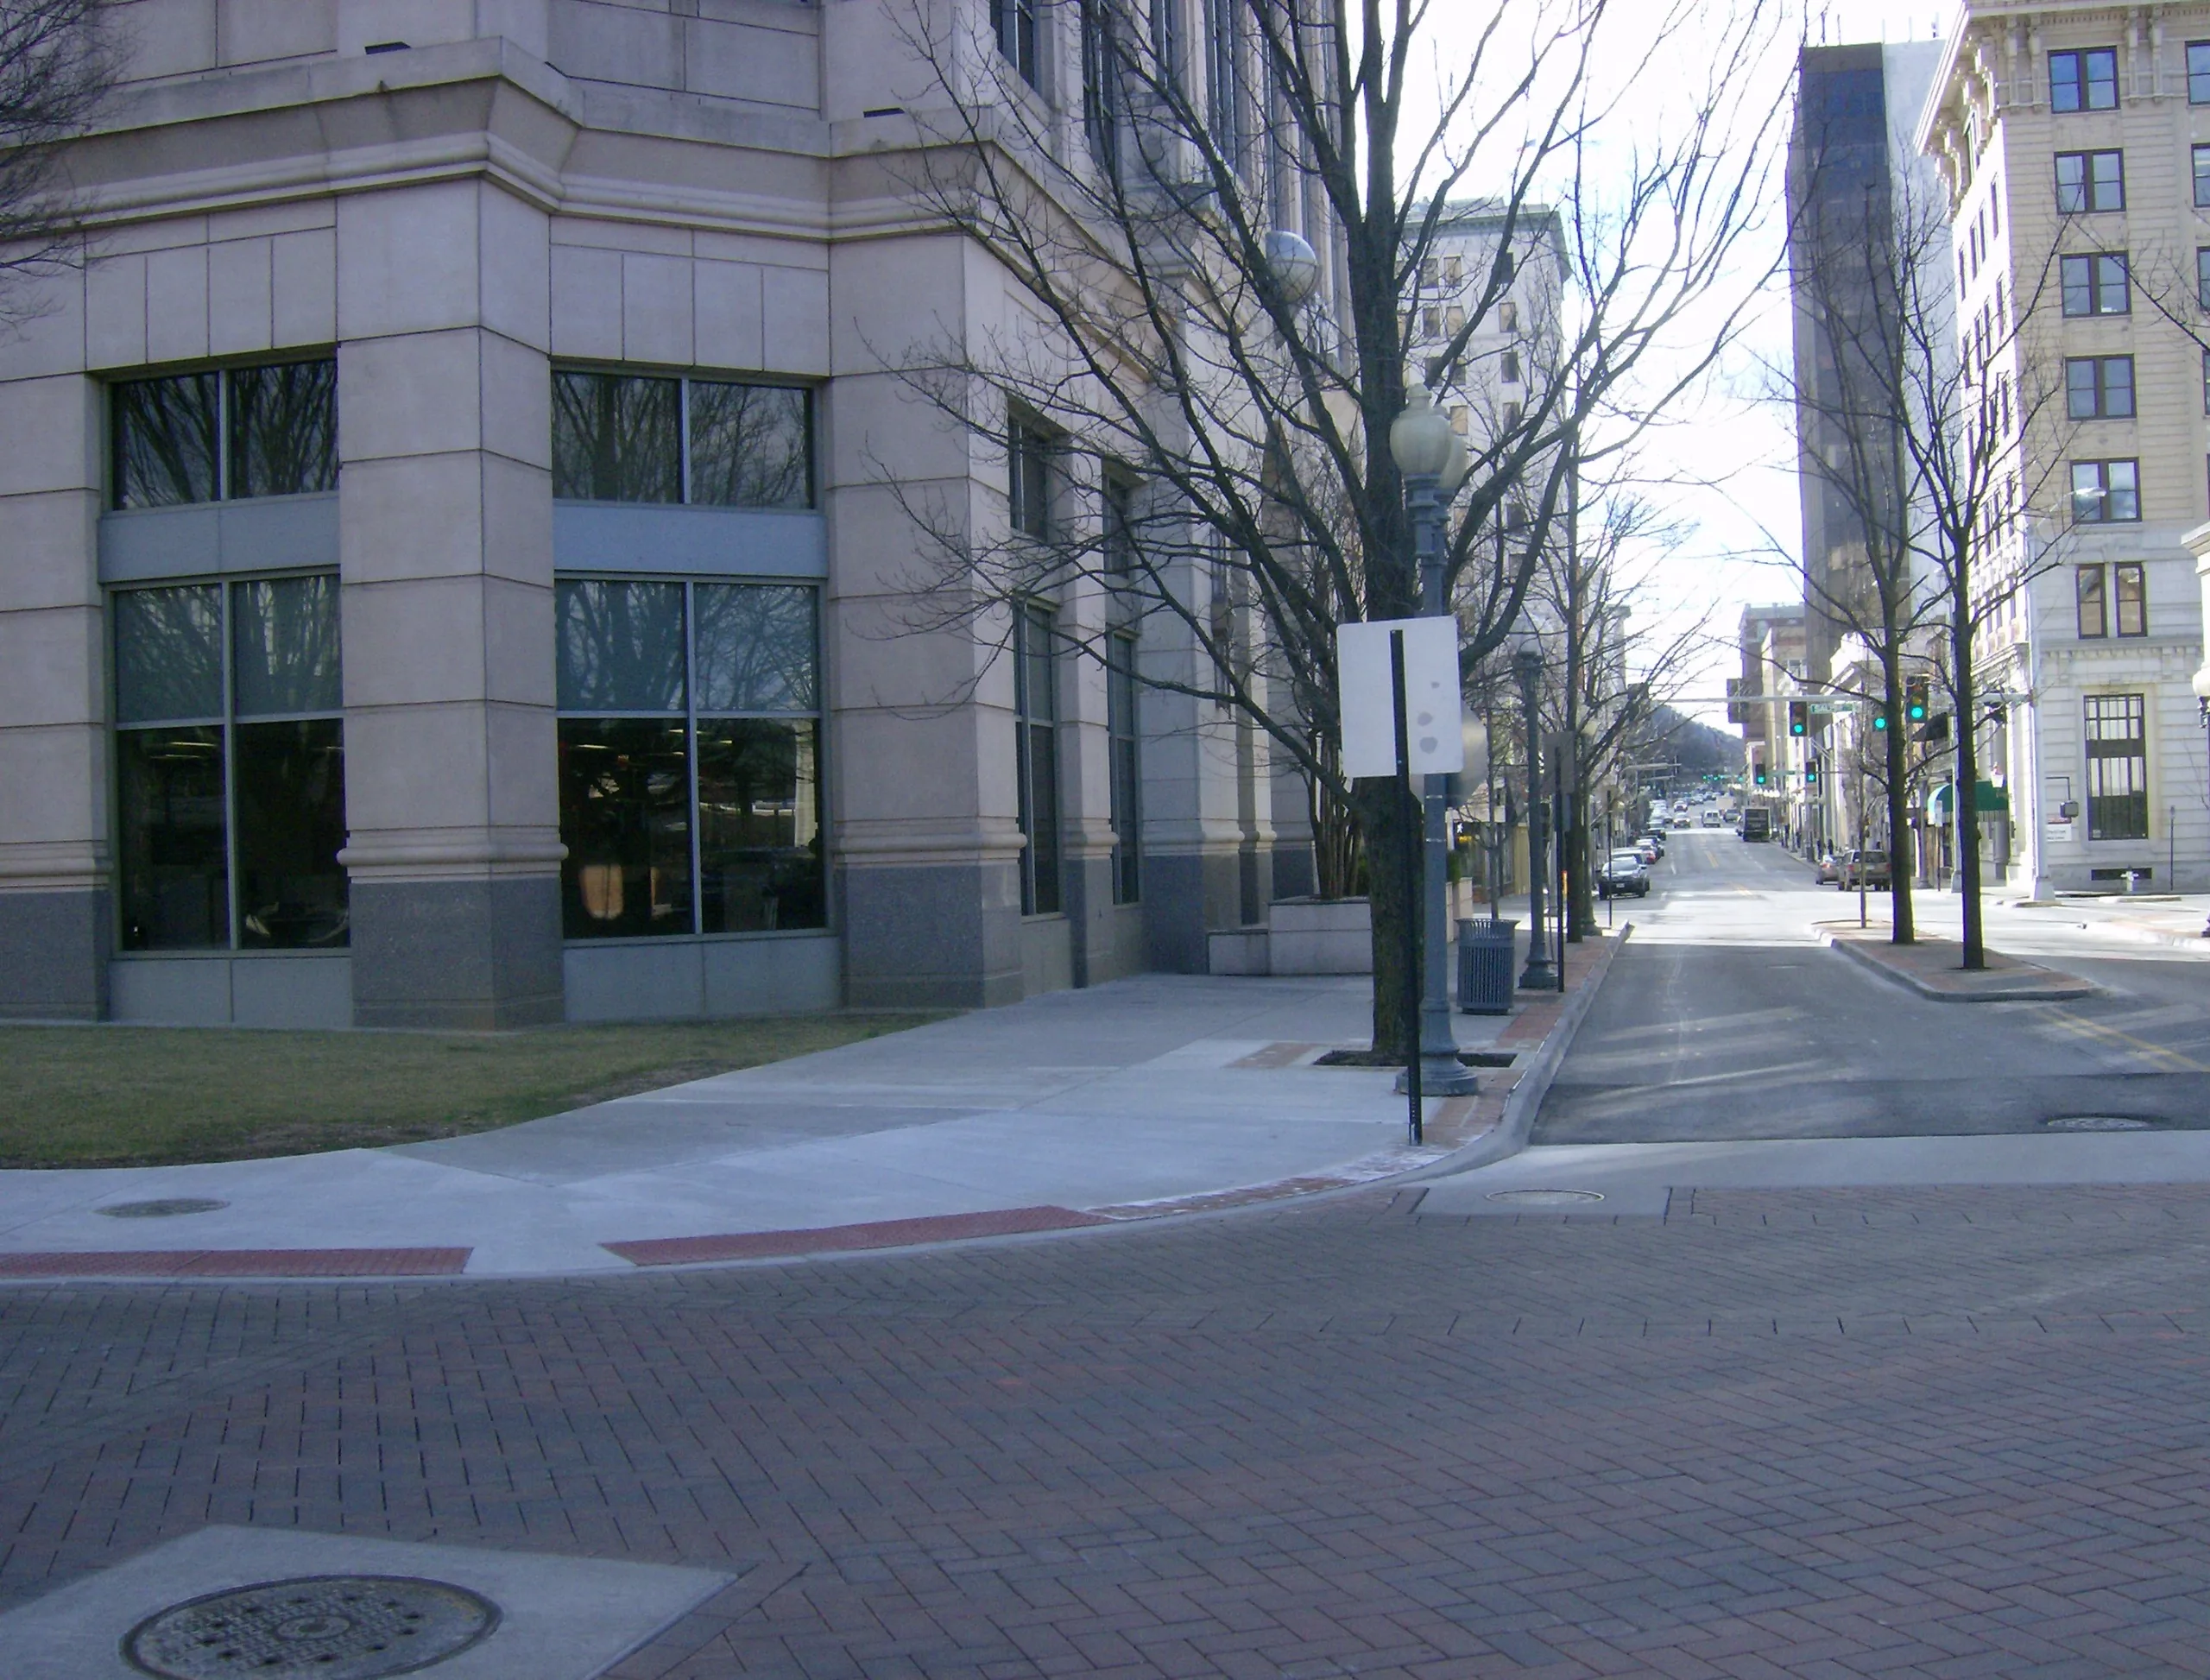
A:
x: 1150, y: 1095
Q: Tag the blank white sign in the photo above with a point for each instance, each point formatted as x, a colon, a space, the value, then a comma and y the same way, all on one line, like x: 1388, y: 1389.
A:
x: 1434, y: 714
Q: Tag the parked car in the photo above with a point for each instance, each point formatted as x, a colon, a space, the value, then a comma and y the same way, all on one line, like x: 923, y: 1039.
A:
x: 1648, y: 849
x: 1624, y: 875
x: 1872, y: 866
x: 1830, y: 864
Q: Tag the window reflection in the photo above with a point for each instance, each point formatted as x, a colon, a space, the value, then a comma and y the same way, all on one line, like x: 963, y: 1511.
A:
x: 620, y: 647
x: 165, y: 439
x: 625, y: 803
x: 754, y: 648
x: 626, y: 783
x: 759, y: 825
x: 168, y: 654
x: 180, y: 787
x: 291, y: 804
x: 616, y: 438
x: 749, y: 446
x: 285, y: 634
x: 173, y: 867
x: 284, y: 428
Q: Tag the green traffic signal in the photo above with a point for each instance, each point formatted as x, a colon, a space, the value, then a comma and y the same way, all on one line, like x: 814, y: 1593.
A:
x: 1880, y: 720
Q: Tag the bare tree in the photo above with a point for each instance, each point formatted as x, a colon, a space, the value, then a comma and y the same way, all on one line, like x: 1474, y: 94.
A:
x: 57, y: 60
x: 1587, y: 586
x: 1923, y: 431
x: 1219, y: 253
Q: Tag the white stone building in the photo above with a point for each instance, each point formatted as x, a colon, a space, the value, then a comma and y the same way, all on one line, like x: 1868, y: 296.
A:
x: 453, y: 571
x: 2074, y: 141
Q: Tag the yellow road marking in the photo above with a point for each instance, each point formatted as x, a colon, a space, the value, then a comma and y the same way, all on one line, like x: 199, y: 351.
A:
x: 2115, y: 1036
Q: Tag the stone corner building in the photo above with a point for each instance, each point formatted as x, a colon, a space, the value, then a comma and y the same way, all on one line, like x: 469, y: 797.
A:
x: 453, y: 569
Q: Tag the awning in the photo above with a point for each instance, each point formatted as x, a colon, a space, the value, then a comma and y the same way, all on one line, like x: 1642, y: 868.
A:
x: 1988, y: 800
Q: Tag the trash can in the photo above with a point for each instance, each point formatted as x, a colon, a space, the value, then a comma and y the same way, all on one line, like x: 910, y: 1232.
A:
x: 1485, y: 956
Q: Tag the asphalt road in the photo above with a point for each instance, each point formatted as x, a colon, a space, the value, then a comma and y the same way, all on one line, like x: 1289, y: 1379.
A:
x: 1725, y: 1019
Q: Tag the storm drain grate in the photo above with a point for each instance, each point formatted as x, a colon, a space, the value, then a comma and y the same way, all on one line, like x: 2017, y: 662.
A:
x: 334, y: 1627
x: 166, y: 1208
x: 2099, y: 1123
x: 1546, y: 1198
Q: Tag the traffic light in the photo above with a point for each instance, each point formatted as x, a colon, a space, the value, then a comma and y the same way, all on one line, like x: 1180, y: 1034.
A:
x: 1810, y: 772
x: 1799, y: 717
x: 1914, y: 699
x: 1880, y: 721
x: 1760, y: 775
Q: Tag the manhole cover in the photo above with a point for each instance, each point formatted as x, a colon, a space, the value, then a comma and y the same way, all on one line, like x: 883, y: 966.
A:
x: 167, y: 1208
x: 2099, y: 1123
x: 334, y: 1627
x: 1546, y: 1198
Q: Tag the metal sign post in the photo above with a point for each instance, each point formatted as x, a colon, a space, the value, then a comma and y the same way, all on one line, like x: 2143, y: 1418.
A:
x: 1398, y: 692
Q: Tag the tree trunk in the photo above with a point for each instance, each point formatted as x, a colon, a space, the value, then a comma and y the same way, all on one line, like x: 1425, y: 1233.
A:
x: 1579, y: 876
x: 1966, y: 788
x: 1903, y: 929
x: 1388, y: 822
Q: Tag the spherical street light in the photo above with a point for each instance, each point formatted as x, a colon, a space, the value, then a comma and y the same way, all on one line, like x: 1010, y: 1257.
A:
x: 1420, y: 438
x: 1296, y: 265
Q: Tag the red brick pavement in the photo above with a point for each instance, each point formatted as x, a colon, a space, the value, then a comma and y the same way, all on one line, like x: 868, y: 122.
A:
x: 1816, y: 1434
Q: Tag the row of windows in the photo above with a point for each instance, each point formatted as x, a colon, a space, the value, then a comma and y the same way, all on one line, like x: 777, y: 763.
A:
x: 689, y: 761
x: 272, y: 430
x: 2086, y: 80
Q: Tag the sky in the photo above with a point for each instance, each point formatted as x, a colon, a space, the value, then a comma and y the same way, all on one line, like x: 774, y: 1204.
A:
x: 1722, y: 464
x: 1731, y: 449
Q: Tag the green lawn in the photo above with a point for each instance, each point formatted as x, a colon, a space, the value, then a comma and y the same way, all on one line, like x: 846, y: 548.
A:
x: 144, y: 1096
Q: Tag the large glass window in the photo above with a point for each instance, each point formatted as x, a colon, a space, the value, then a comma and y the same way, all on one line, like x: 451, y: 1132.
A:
x: 2198, y: 72
x: 2117, y: 767
x: 233, y: 432
x: 230, y: 765
x: 1101, y: 84
x: 1036, y: 707
x: 690, y: 758
x: 2099, y: 386
x: 1124, y: 743
x: 2084, y: 80
x: 2105, y: 492
x: 2092, y: 592
x: 1014, y: 23
x: 654, y: 438
x: 2096, y: 284
x: 2201, y: 161
x: 2131, y: 581
x: 2089, y: 182
x: 1031, y: 459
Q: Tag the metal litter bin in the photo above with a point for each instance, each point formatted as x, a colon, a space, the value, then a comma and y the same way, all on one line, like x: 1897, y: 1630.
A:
x: 1485, y: 957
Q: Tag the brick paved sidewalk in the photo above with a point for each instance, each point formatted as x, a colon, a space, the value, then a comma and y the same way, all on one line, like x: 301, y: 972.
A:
x: 1813, y: 1433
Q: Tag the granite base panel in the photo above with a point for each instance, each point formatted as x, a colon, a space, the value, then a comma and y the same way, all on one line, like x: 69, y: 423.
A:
x: 54, y: 954
x: 466, y: 955
x: 931, y: 936
x: 1185, y: 896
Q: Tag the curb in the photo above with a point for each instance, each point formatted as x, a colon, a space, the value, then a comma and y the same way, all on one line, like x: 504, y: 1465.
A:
x: 2060, y: 989
x: 1507, y: 1137
x: 1510, y: 1135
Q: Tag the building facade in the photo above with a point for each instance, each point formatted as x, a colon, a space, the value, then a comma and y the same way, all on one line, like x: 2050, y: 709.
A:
x: 457, y: 568
x: 2073, y: 140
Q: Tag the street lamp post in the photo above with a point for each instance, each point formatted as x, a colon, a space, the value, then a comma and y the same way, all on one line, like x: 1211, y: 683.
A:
x: 1429, y: 454
x: 1527, y: 666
